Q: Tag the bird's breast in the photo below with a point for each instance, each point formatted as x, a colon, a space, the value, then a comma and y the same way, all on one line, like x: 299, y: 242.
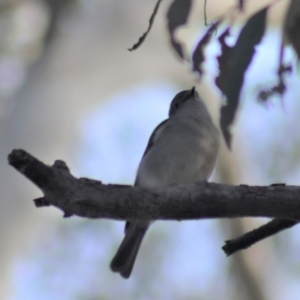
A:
x: 182, y: 153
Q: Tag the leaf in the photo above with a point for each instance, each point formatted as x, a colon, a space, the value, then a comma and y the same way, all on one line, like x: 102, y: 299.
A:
x: 151, y: 21
x: 177, y: 16
x: 291, y: 26
x: 238, y: 62
x: 280, y: 87
x: 223, y: 61
x: 198, y: 55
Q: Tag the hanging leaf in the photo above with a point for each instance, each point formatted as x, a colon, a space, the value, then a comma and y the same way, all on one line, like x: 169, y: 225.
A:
x: 239, y: 60
x: 151, y: 20
x: 177, y: 16
x: 198, y: 55
x: 279, y: 88
x: 291, y: 26
x: 223, y: 61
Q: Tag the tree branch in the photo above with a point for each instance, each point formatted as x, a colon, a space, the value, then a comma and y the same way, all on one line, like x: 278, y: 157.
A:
x: 90, y: 198
x: 250, y: 238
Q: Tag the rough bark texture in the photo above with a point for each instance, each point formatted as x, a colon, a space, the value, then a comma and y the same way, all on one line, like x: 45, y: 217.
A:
x: 89, y: 198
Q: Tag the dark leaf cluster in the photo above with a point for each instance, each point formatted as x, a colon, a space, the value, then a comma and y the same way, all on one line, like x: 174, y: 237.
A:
x: 234, y: 61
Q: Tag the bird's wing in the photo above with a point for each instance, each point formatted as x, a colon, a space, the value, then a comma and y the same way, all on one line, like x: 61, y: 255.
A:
x: 153, y: 135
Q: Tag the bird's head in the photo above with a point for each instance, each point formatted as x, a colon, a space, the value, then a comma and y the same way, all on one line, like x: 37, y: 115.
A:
x: 181, y: 100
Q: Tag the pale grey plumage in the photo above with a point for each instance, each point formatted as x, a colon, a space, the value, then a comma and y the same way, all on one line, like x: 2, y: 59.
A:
x: 181, y: 150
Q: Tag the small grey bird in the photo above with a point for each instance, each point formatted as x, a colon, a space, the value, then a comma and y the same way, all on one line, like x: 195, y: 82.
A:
x: 181, y: 150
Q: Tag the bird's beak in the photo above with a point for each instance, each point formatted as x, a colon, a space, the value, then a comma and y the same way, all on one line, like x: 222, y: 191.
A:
x: 192, y: 91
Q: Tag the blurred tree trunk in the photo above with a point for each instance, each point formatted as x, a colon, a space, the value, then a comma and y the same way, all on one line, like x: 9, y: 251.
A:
x: 248, y: 278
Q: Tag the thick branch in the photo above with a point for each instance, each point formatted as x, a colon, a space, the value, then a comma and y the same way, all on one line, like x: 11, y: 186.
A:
x: 89, y: 198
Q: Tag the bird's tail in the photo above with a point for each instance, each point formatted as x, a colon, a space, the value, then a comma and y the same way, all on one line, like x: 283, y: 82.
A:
x: 125, y: 257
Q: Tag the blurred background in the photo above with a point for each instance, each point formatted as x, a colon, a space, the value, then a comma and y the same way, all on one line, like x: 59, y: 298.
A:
x: 70, y: 90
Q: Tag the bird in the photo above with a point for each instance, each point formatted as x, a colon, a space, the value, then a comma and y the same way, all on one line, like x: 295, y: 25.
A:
x: 181, y: 150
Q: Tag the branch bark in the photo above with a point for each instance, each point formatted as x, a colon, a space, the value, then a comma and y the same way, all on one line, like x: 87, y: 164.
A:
x: 92, y: 199
x: 250, y: 238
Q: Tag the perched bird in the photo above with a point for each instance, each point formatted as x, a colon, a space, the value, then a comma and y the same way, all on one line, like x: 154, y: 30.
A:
x: 181, y: 150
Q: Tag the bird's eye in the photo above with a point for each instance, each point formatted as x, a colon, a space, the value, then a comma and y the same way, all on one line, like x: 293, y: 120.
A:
x: 176, y: 106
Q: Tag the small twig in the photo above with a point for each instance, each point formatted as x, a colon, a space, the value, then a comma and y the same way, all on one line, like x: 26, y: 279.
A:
x: 205, y: 16
x: 250, y: 238
x: 241, y: 5
x: 151, y: 21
